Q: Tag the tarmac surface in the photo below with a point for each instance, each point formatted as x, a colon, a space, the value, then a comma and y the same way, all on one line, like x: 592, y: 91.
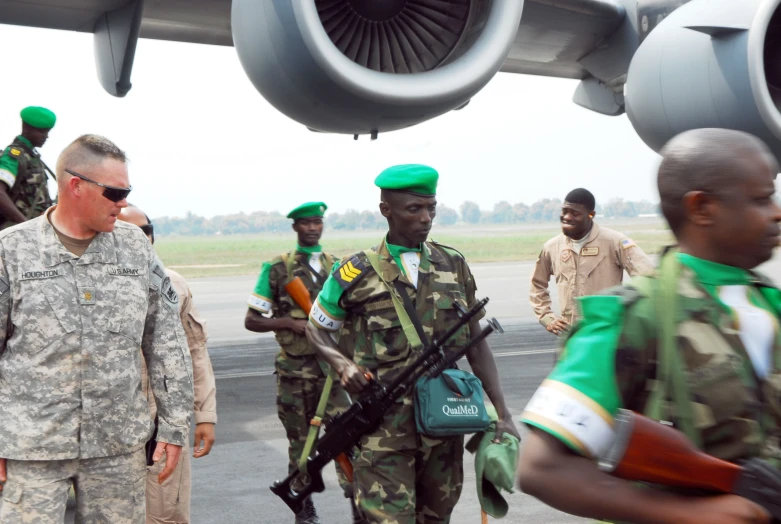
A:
x: 231, y: 485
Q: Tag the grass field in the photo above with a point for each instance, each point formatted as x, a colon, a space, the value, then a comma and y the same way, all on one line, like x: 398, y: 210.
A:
x: 243, y: 254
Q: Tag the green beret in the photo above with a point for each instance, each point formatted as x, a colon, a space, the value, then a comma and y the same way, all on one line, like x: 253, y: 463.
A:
x: 39, y: 117
x: 410, y: 178
x: 310, y: 209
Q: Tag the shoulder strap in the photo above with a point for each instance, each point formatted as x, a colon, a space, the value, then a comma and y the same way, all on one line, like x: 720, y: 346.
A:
x: 329, y: 262
x: 406, y: 323
x: 670, y: 382
x: 316, y: 422
x: 288, y: 261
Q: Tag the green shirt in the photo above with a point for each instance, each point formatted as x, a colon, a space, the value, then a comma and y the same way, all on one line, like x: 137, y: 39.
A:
x: 9, y: 165
x: 610, y: 354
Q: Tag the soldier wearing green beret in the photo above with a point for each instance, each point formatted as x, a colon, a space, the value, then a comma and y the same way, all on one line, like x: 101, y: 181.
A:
x: 400, y: 475
x: 300, y: 374
x: 24, y: 193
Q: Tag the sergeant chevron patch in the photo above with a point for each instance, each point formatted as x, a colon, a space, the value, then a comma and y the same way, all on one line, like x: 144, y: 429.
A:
x: 349, y: 272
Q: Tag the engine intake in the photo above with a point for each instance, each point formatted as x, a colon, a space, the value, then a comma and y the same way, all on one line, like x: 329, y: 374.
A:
x: 359, y: 67
x: 709, y: 64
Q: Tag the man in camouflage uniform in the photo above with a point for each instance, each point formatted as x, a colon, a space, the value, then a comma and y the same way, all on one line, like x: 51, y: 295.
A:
x: 24, y: 193
x: 716, y: 188
x: 300, y: 374
x: 169, y: 502
x: 401, y: 476
x: 79, y: 295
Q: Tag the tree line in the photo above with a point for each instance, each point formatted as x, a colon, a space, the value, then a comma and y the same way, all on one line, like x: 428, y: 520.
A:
x: 545, y: 210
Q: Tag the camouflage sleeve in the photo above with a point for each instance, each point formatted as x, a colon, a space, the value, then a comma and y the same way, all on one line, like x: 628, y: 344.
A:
x: 167, y: 357
x: 470, y: 288
x: 602, y: 369
x: 5, y: 303
x: 327, y: 312
x: 261, y: 299
x: 9, y: 167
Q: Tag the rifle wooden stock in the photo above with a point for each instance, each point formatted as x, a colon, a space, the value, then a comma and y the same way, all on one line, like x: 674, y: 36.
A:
x: 649, y: 451
x: 300, y: 294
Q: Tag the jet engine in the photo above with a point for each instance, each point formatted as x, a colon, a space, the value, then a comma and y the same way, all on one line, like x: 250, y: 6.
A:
x: 369, y: 66
x: 710, y: 63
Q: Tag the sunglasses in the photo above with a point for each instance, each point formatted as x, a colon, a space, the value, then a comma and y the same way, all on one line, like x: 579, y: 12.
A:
x: 115, y: 194
x: 148, y: 230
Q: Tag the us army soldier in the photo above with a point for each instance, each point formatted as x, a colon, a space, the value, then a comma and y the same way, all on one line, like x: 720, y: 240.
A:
x: 79, y: 294
x: 716, y: 189
x: 300, y: 375
x: 24, y: 193
x: 169, y: 502
x: 583, y: 259
x: 401, y: 476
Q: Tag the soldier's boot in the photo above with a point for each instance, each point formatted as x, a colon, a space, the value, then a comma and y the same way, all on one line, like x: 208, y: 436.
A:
x: 357, y: 516
x: 308, y: 515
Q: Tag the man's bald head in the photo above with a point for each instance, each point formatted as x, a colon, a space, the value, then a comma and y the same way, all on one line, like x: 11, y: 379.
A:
x: 708, y: 160
x: 134, y: 216
x: 84, y: 154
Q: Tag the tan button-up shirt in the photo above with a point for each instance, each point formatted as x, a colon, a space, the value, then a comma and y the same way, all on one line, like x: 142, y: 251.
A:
x: 600, y: 264
x: 205, y: 391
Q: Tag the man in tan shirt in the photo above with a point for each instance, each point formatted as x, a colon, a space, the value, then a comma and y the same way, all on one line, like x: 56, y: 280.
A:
x: 584, y: 259
x: 169, y: 502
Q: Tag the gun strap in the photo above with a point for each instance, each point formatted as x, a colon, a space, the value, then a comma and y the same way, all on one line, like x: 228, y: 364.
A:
x: 316, y: 422
x: 407, y: 325
x: 670, y: 380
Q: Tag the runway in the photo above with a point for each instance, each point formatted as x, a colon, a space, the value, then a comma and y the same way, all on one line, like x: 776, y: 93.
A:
x: 231, y: 484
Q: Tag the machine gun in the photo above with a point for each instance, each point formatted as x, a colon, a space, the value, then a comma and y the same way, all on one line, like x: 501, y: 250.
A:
x: 365, y: 415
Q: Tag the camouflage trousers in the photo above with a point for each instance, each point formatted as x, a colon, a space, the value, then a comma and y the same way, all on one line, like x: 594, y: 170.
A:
x: 402, y: 477
x: 109, y: 490
x: 297, y: 400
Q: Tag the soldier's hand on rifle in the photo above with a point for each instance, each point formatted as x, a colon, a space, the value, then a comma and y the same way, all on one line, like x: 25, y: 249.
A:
x: 723, y: 509
x: 558, y: 326
x: 297, y: 326
x: 353, y: 378
x: 2, y: 473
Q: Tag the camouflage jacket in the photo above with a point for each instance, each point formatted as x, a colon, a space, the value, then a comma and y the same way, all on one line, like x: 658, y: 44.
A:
x: 28, y: 187
x: 610, y: 361
x: 296, y: 357
x: 356, y: 303
x: 70, y: 328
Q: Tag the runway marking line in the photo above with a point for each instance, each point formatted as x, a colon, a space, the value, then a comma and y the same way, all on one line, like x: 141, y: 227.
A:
x: 496, y: 355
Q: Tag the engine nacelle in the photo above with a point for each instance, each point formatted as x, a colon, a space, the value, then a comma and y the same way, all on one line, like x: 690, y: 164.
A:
x: 711, y: 63
x: 359, y: 66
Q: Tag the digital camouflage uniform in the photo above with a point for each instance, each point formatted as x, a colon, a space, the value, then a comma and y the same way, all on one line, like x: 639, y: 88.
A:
x: 22, y: 170
x: 728, y: 338
x: 300, y: 373
x: 71, y: 404
x: 400, y: 475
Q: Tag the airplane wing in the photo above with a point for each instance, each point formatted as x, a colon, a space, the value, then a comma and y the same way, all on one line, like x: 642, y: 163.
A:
x: 369, y: 66
x: 552, y: 36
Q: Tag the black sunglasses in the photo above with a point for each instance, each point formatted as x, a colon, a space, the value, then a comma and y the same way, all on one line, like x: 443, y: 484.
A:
x: 148, y: 230
x: 115, y: 194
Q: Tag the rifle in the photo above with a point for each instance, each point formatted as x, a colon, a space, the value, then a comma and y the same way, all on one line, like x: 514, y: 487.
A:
x: 300, y: 294
x: 647, y: 451
x: 365, y: 415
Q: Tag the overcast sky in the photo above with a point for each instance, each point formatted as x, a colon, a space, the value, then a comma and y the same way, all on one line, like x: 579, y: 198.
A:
x: 201, y: 139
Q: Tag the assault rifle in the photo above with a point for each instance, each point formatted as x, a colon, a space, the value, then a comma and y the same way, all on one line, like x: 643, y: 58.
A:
x: 365, y: 415
x: 647, y: 451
